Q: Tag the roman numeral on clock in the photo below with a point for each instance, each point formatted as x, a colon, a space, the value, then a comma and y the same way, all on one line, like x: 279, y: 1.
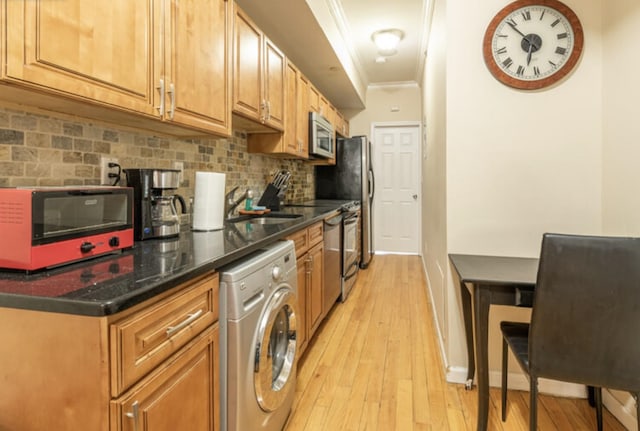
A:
x: 507, y: 62
x: 502, y: 50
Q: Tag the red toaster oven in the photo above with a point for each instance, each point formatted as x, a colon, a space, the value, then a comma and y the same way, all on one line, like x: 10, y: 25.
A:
x: 43, y: 227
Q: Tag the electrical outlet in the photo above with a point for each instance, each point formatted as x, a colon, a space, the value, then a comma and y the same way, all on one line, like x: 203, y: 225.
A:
x: 180, y: 167
x: 105, y: 170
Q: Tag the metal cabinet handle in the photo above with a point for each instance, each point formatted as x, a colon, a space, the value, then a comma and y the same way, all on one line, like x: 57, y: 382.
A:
x: 172, y: 95
x: 134, y: 414
x: 263, y: 111
x: 415, y: 197
x: 160, y: 89
x: 190, y: 318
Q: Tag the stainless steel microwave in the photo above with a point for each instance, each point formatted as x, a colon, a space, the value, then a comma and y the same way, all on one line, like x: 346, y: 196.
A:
x: 321, y: 137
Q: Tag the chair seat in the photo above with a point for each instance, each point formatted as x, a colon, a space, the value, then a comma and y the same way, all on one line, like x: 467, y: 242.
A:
x: 516, y: 334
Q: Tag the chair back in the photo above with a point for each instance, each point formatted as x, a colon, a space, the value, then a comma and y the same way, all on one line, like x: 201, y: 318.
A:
x: 585, y: 324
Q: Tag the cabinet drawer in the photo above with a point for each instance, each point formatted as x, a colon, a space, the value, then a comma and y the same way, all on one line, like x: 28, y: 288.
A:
x: 300, y: 241
x: 143, y: 340
x: 315, y: 234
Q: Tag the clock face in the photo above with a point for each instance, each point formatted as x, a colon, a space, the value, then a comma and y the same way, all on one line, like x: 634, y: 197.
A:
x: 531, y: 44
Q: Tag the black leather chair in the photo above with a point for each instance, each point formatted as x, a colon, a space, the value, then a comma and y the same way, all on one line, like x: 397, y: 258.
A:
x: 585, y: 320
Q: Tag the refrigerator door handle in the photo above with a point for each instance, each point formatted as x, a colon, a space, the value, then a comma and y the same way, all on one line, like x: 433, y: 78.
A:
x: 372, y: 185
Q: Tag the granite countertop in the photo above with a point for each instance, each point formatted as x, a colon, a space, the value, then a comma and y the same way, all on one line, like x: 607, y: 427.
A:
x: 110, y: 284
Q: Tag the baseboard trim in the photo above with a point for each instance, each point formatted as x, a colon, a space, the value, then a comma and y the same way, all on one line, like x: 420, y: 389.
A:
x: 623, y: 412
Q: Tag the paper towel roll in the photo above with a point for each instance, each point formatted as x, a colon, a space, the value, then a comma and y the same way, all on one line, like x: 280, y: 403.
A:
x: 208, y: 201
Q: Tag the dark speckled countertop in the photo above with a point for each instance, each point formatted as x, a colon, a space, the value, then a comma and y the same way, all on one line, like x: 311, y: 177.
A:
x: 109, y: 284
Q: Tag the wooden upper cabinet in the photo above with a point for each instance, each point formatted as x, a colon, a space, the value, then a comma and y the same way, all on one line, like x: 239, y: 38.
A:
x: 284, y: 144
x: 274, y: 85
x: 314, y: 99
x: 302, y: 115
x: 197, y: 67
x: 165, y: 59
x: 247, y: 67
x: 258, y: 74
x: 98, y: 51
x: 290, y: 138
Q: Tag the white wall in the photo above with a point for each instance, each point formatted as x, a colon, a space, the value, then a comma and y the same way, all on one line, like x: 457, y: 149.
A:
x: 434, y: 215
x: 381, y: 99
x: 621, y: 137
x: 517, y: 163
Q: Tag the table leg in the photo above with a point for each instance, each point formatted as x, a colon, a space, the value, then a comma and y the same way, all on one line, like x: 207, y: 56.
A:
x: 481, y: 301
x: 468, y: 329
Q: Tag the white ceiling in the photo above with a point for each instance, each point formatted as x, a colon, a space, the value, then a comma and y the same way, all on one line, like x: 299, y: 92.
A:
x: 330, y: 41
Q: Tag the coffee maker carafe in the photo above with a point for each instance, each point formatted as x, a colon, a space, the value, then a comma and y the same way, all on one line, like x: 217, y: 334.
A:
x: 155, y: 214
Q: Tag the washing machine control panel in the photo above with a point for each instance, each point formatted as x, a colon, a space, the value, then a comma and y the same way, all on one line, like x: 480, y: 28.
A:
x: 276, y: 273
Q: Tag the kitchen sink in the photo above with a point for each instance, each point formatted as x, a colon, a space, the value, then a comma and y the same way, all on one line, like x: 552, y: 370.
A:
x: 270, y: 218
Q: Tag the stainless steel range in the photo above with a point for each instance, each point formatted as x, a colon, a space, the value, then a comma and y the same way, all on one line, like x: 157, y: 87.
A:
x: 350, y: 247
x: 350, y: 252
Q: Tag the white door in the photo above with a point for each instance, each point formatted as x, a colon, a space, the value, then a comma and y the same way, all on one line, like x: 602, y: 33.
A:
x: 396, y: 204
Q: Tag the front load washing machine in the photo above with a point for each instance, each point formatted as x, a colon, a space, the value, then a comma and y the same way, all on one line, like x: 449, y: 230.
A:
x: 258, y: 297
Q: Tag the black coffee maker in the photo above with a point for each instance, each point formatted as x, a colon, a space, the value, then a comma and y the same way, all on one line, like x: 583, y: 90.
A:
x: 154, y: 210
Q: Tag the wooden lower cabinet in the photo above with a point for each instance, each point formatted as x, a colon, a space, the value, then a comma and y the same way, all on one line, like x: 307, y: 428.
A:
x: 315, y: 287
x: 68, y: 372
x: 181, y: 394
x: 302, y: 304
x: 310, y: 262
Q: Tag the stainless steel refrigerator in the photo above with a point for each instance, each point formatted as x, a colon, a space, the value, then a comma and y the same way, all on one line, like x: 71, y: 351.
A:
x: 351, y: 179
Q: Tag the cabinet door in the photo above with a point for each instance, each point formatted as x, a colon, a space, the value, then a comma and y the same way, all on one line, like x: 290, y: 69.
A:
x: 182, y: 394
x: 291, y: 115
x: 314, y: 99
x: 197, y: 69
x: 302, y: 305
x: 302, y: 116
x: 97, y: 51
x: 315, y: 287
x: 274, y: 85
x: 247, y: 67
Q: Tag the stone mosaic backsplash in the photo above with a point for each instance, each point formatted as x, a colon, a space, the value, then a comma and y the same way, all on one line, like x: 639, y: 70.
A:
x: 39, y: 148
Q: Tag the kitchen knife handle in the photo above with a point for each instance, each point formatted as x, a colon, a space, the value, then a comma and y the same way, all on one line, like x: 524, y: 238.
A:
x: 160, y: 89
x: 186, y: 322
x: 134, y: 414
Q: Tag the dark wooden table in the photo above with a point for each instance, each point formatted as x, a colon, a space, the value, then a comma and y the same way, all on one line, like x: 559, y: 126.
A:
x: 492, y: 280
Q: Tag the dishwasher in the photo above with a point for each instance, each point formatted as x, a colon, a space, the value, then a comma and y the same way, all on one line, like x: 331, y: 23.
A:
x: 332, y: 261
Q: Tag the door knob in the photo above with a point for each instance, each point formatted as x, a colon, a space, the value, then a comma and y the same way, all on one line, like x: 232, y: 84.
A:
x: 415, y: 197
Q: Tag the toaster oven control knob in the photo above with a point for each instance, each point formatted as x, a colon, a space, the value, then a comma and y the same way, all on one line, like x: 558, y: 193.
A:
x: 86, y: 247
x: 114, y: 241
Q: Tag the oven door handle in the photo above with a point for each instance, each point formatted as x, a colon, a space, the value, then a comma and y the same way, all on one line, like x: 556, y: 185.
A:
x: 350, y: 220
x: 352, y: 273
x: 333, y: 221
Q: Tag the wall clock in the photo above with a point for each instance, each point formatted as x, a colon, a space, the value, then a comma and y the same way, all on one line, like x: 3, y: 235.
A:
x: 532, y: 44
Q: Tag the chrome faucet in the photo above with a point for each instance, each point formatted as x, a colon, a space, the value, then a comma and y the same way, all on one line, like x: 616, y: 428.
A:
x: 230, y: 204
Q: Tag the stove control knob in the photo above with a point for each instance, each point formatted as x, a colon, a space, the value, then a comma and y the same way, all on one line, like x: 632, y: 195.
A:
x: 114, y: 241
x: 276, y: 273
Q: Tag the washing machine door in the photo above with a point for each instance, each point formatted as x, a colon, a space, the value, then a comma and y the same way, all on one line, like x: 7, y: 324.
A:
x: 275, y: 350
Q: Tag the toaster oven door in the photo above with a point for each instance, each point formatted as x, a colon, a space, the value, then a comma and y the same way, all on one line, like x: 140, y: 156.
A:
x: 59, y: 215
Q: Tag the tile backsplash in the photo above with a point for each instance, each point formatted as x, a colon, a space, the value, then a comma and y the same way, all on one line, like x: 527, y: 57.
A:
x: 39, y: 148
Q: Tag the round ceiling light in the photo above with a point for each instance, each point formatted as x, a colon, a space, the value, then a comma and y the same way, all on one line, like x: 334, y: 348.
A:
x: 387, y: 40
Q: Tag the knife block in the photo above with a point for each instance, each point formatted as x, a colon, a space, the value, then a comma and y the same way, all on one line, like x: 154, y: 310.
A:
x: 270, y: 198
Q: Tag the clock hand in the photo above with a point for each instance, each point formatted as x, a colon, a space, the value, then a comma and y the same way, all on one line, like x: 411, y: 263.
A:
x: 529, y: 53
x: 513, y: 26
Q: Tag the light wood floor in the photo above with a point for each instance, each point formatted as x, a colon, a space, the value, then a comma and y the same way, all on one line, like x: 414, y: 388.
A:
x: 375, y: 364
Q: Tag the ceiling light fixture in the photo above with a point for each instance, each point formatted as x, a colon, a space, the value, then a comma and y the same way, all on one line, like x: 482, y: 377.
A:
x: 387, y: 40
